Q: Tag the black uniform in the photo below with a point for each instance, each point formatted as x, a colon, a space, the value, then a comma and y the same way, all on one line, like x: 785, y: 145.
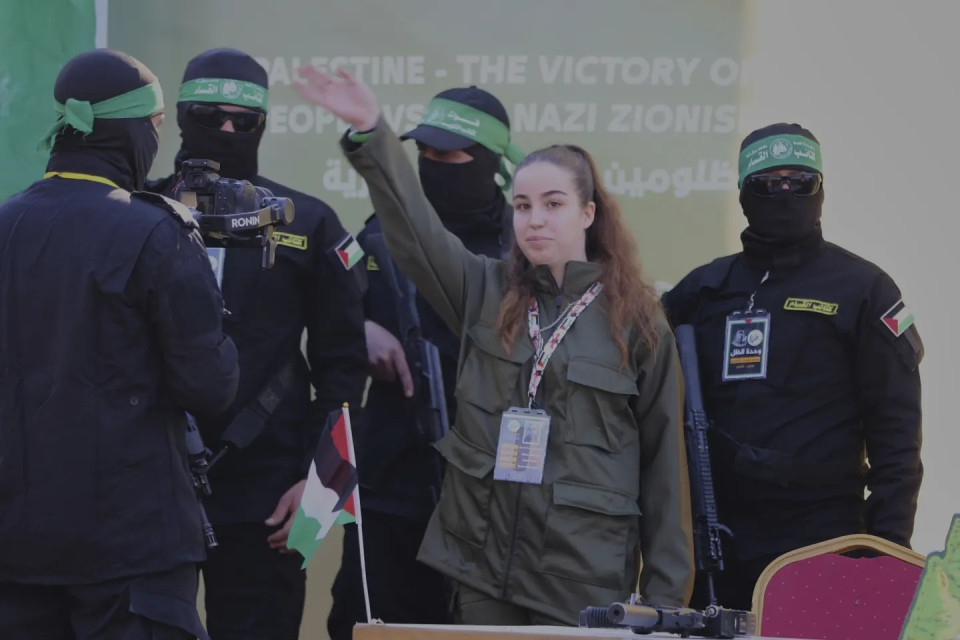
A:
x: 788, y: 451
x: 252, y: 590
x: 110, y: 329
x: 309, y: 288
x: 400, y: 474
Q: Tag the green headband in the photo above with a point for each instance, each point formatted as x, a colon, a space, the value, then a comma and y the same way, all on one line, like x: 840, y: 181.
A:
x: 80, y: 114
x: 224, y: 91
x: 778, y: 151
x: 476, y: 125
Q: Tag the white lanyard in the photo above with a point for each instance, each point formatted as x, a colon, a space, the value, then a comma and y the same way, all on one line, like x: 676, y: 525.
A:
x: 545, y: 349
x: 754, y: 294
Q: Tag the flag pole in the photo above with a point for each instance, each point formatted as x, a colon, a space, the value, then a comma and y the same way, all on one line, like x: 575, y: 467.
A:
x: 358, y: 516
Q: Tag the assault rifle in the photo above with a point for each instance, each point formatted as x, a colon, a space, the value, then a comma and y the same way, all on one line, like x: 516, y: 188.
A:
x: 198, y: 456
x: 422, y: 355
x: 713, y: 622
x: 706, y: 528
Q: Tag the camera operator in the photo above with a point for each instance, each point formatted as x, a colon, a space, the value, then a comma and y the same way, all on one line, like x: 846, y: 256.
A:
x: 253, y: 588
x: 110, y: 328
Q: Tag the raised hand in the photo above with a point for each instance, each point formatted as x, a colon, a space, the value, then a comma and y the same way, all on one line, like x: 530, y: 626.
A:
x: 342, y: 95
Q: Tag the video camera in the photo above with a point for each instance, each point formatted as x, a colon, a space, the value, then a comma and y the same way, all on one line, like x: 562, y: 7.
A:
x: 232, y: 213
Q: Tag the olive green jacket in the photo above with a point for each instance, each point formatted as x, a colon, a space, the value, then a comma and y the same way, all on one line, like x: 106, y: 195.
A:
x: 615, y: 482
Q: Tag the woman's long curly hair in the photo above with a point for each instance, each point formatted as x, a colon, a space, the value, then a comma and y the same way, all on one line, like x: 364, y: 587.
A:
x: 630, y: 301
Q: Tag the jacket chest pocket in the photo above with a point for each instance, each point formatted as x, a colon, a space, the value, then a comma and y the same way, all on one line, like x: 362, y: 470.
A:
x: 791, y: 338
x: 488, y: 377
x: 464, y: 506
x: 598, y: 411
x: 589, y: 532
x: 807, y: 352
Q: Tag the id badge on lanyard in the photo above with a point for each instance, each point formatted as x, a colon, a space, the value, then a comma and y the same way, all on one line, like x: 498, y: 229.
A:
x: 746, y: 342
x: 522, y: 445
x: 746, y: 345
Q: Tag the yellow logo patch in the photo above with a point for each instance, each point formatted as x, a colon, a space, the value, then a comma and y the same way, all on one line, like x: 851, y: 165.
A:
x: 814, y: 306
x: 372, y: 264
x: 290, y: 240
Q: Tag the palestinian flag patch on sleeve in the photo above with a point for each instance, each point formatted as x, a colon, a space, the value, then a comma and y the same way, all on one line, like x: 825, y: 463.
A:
x: 349, y: 252
x: 898, y: 319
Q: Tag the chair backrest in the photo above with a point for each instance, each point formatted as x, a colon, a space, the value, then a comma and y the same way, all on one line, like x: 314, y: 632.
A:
x: 815, y: 592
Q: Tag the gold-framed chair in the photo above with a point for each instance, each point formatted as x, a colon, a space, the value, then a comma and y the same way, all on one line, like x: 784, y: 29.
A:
x: 822, y: 591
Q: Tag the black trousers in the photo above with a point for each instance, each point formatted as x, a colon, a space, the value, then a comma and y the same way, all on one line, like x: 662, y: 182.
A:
x: 158, y: 606
x: 734, y: 585
x: 402, y: 590
x: 767, y: 531
x: 252, y: 592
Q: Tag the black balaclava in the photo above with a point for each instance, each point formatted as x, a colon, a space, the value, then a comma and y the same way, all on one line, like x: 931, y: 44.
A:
x: 119, y: 149
x: 466, y: 196
x: 783, y: 228
x: 236, y: 151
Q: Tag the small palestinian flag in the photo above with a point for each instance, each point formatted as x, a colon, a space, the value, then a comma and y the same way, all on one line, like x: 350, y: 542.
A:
x: 328, y: 497
x: 349, y: 252
x: 898, y: 319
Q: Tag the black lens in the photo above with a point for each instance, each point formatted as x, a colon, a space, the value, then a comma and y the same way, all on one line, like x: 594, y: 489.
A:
x: 805, y: 184
x: 207, y: 115
x: 213, y: 117
x: 769, y: 184
x: 762, y: 184
x: 245, y: 121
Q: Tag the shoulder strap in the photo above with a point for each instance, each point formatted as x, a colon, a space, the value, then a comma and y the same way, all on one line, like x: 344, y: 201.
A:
x: 403, y: 291
x: 702, y: 285
x: 716, y: 273
x: 179, y: 211
x: 253, y: 418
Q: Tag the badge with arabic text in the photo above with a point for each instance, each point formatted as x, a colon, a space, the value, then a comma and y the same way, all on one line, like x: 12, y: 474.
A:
x: 522, y: 448
x: 746, y: 345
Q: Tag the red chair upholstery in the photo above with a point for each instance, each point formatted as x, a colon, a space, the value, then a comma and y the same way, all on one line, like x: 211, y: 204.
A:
x: 815, y: 592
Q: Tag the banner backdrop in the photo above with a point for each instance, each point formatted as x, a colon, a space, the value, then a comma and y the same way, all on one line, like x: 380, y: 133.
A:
x: 36, y: 39
x: 649, y: 88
